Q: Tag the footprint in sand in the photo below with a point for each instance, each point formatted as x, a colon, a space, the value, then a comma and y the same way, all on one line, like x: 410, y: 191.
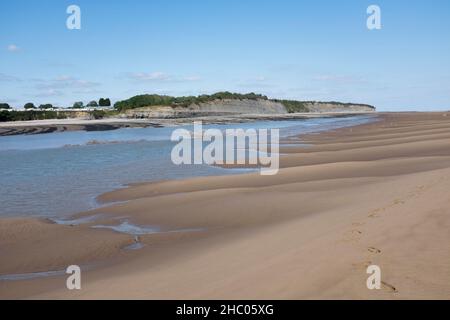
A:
x: 389, y: 287
x: 373, y: 250
x: 398, y: 201
x: 375, y: 213
x: 352, y: 235
x: 418, y: 190
x: 358, y: 224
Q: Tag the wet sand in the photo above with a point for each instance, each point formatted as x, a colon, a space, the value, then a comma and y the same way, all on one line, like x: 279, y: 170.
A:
x: 49, y: 126
x: 371, y: 194
x: 76, y: 124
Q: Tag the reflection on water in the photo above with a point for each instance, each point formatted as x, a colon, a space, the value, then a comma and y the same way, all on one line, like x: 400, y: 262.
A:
x: 61, y: 173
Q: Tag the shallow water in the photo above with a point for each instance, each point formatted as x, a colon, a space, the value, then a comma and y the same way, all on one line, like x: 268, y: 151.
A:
x: 32, y: 275
x: 57, y: 174
x: 129, y: 228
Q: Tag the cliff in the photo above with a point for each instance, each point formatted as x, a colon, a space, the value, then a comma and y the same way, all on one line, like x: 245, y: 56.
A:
x: 226, y: 107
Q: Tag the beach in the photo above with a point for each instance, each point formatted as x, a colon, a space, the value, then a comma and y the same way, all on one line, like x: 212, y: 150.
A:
x: 371, y: 194
x: 78, y: 124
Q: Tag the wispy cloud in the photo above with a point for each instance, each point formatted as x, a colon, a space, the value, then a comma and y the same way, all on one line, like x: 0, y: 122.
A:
x: 255, y: 83
x: 49, y: 93
x: 152, y: 76
x: 87, y: 91
x: 8, y: 78
x: 192, y: 78
x: 339, y: 79
x: 13, y: 48
x: 64, y: 86
x: 159, y: 77
x: 65, y: 82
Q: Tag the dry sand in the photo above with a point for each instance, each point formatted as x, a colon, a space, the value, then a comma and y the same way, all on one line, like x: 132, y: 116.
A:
x: 371, y: 194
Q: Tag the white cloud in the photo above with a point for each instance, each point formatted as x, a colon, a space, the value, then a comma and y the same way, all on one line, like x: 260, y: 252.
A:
x: 8, y: 78
x: 87, y: 91
x: 160, y: 77
x: 13, y: 48
x: 64, y: 85
x: 64, y: 81
x: 255, y: 84
x: 50, y: 93
x: 192, y: 78
x: 153, y: 76
x: 339, y: 79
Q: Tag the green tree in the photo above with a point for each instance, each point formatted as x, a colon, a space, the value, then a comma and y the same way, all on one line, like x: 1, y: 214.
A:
x: 4, y: 106
x: 46, y: 106
x: 104, y: 102
x: 92, y: 104
x: 29, y: 105
x: 5, y: 116
x: 78, y: 105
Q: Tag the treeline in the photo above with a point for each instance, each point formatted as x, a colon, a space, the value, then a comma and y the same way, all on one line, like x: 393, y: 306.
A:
x: 29, y: 115
x: 16, y: 115
x: 148, y: 100
x: 102, y: 102
x: 28, y: 106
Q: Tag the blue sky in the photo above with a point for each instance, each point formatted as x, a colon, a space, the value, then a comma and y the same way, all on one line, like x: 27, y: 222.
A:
x: 307, y: 50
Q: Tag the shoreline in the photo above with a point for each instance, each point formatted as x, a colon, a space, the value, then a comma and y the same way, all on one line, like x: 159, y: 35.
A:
x: 89, y: 201
x: 277, y: 221
x: 61, y: 125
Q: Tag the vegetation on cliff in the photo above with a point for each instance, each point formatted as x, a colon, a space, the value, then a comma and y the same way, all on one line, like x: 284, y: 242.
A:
x: 44, y: 111
x: 29, y: 115
x: 148, y: 100
x: 293, y: 106
x: 36, y: 114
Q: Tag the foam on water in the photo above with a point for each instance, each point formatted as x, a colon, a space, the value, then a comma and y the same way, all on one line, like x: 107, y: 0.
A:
x: 75, y: 222
x: 128, y: 228
x: 136, y: 230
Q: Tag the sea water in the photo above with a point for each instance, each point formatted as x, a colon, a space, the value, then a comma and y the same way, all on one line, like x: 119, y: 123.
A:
x: 58, y: 174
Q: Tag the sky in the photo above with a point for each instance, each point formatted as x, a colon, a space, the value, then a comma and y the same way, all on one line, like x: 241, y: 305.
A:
x: 306, y: 50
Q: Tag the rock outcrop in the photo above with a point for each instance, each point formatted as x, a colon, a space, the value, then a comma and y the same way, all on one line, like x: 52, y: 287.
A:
x: 235, y: 107
x: 337, y: 107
